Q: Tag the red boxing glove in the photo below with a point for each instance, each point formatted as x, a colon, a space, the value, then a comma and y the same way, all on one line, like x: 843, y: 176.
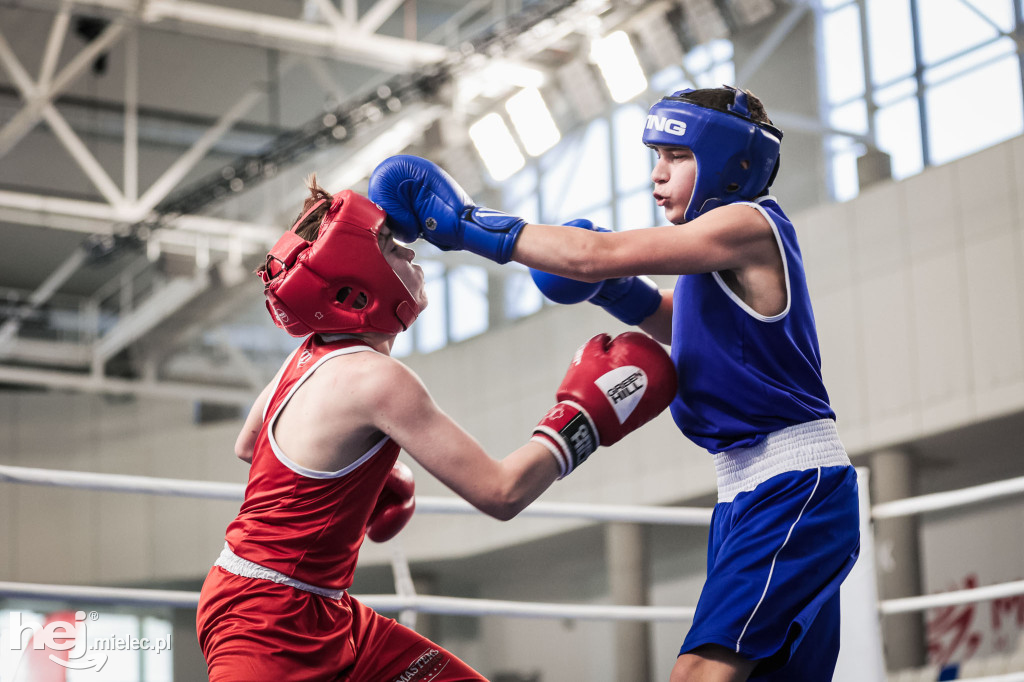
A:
x: 395, y: 505
x: 613, y: 387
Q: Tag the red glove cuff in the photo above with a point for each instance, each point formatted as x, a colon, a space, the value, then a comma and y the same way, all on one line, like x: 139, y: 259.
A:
x: 568, y: 432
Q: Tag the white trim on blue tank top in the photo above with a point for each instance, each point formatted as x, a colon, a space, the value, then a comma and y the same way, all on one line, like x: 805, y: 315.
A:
x: 785, y: 268
x: 279, y: 453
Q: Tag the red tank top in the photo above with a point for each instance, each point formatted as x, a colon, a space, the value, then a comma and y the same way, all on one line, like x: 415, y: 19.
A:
x: 303, y: 523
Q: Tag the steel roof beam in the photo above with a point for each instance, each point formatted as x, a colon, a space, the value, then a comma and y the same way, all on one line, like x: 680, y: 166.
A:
x: 91, y: 217
x: 41, y: 295
x: 39, y: 96
x: 158, y: 307
x: 267, y: 30
x: 155, y: 389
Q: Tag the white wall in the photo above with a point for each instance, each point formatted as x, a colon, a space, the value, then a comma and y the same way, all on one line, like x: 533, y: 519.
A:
x: 70, y: 536
x: 917, y: 291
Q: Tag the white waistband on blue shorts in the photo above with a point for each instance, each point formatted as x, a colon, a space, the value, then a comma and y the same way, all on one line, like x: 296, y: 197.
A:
x: 794, y: 448
x: 232, y: 563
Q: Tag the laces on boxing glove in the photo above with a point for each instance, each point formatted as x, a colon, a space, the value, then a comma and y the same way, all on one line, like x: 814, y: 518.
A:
x: 568, y: 432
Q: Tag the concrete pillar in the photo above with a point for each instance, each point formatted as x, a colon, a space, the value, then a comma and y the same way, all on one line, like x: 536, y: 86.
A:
x: 897, y: 544
x: 626, y: 550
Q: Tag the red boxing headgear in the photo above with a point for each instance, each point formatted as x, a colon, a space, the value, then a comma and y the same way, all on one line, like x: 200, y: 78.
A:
x: 340, y: 282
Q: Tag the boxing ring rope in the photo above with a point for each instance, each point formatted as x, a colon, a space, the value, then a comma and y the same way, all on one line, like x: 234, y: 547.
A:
x: 480, y: 607
x: 455, y: 606
x: 950, y: 499
x: 387, y: 603
x: 235, y: 492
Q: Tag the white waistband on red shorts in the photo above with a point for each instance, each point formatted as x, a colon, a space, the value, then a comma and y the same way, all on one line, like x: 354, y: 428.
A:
x: 232, y: 563
x: 794, y: 448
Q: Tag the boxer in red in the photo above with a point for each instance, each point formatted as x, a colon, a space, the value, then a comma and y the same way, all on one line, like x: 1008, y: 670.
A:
x: 323, y: 440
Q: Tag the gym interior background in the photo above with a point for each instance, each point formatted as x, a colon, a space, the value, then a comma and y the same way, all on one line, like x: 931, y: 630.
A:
x: 151, y: 152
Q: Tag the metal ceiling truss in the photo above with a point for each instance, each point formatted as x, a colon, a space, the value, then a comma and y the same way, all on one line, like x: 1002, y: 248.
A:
x: 168, y: 221
x: 386, y: 100
x: 166, y: 224
x: 340, y: 36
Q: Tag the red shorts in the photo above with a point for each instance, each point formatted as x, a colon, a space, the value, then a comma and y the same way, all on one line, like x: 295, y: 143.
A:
x: 254, y: 630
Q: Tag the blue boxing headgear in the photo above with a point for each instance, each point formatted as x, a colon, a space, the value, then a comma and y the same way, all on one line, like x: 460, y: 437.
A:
x: 737, y: 158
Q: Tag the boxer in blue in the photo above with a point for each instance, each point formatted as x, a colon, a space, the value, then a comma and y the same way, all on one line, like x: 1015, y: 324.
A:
x: 785, y: 532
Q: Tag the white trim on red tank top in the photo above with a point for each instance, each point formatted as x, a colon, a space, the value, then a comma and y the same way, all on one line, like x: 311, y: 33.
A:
x: 279, y: 453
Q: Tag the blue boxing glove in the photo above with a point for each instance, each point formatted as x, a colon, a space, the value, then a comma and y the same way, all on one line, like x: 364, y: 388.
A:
x: 628, y: 299
x: 421, y: 200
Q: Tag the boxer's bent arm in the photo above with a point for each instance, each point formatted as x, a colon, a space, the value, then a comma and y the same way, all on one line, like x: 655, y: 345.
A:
x: 405, y: 411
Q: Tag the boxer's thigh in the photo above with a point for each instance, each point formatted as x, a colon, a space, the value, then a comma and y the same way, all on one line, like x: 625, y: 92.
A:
x: 260, y: 630
x: 388, y: 651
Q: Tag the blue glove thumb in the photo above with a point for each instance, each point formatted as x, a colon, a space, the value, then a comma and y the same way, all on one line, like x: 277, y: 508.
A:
x: 563, y: 289
x: 628, y: 299
x: 407, y: 186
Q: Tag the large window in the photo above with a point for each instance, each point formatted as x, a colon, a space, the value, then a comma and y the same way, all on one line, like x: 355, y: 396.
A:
x: 940, y: 79
x: 925, y: 81
x: 600, y: 171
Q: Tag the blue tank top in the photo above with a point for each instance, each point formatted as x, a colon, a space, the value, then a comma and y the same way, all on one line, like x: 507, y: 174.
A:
x: 743, y: 375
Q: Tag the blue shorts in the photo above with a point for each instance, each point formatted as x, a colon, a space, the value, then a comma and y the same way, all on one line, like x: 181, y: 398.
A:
x: 776, y: 557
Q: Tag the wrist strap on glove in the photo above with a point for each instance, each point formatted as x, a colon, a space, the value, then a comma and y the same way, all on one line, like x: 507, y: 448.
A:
x: 568, y: 432
x: 496, y: 234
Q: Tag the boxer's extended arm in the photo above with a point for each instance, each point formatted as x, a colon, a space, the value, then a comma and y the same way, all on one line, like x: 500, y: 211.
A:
x: 423, y: 201
x: 728, y: 238
x: 403, y: 409
x: 735, y: 240
x: 612, y: 387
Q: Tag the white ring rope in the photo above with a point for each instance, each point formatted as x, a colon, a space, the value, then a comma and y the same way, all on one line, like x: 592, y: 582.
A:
x: 931, y: 601
x: 475, y: 607
x: 459, y: 606
x: 436, y: 505
x: 674, y: 516
x: 102, y: 595
x: 442, y: 505
x: 949, y: 499
x: 122, y: 483
x: 456, y: 606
